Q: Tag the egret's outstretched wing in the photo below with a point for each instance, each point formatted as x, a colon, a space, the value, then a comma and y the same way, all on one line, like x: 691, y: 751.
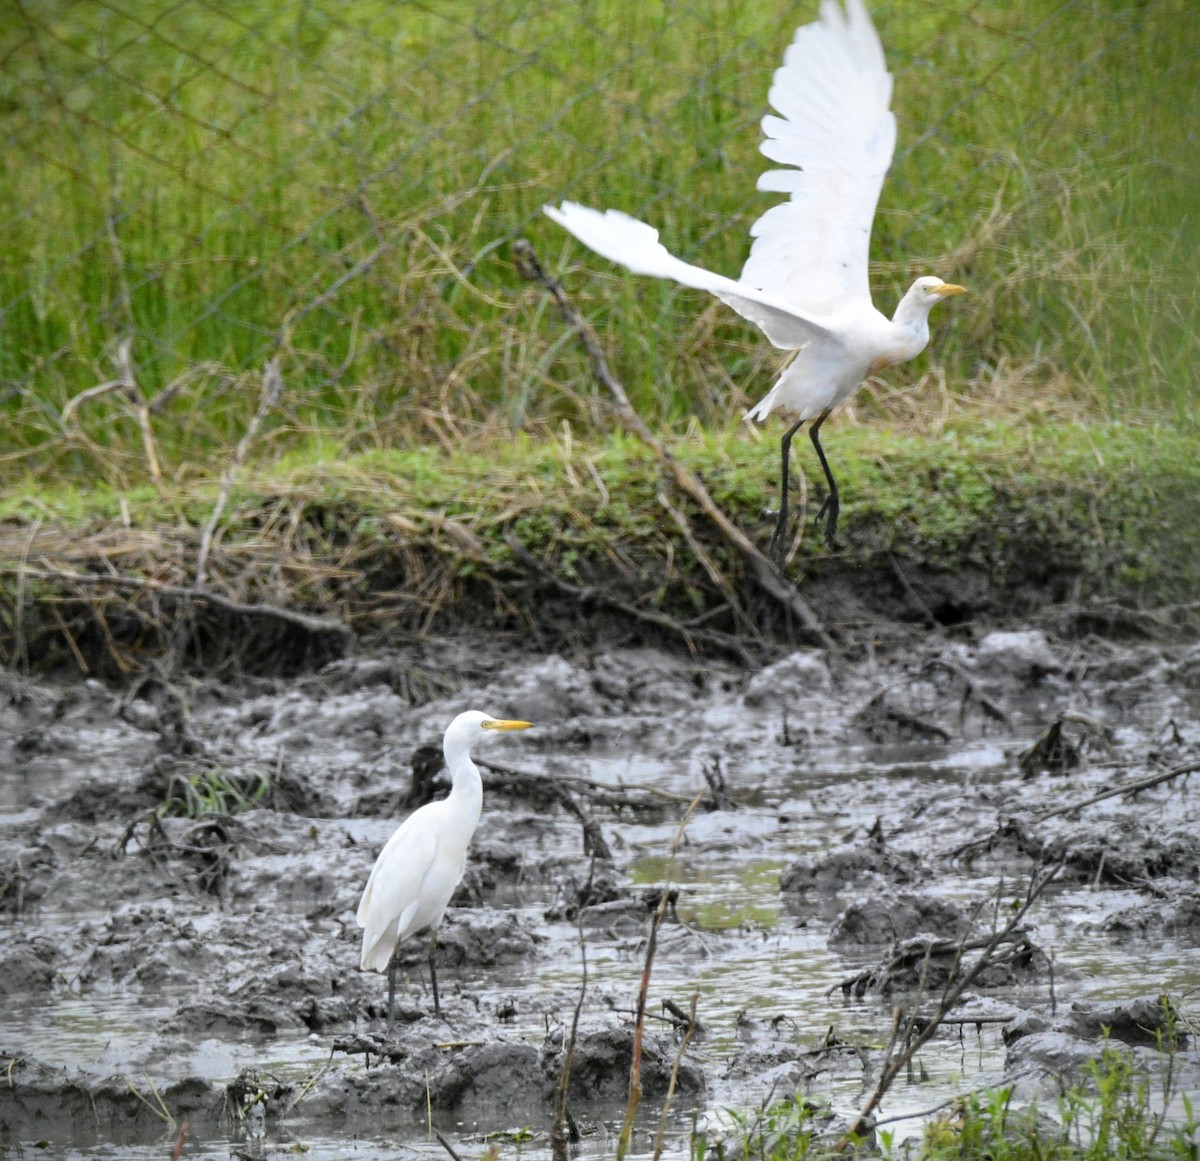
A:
x: 635, y: 245
x: 836, y: 134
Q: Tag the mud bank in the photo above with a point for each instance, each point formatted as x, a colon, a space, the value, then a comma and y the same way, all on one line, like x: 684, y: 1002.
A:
x: 179, y: 867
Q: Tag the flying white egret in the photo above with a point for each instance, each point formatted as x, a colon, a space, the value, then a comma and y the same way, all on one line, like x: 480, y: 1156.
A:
x: 805, y: 283
x: 417, y: 871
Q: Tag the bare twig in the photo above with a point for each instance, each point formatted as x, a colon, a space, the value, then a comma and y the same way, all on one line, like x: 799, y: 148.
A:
x: 635, y: 1067
x: 769, y: 578
x: 125, y: 382
x: 1014, y: 827
x: 559, y: 1135
x: 617, y: 795
x: 599, y: 596
x: 718, y: 578
x: 268, y: 398
x: 447, y: 1146
x: 177, y: 1151
x: 683, y: 1043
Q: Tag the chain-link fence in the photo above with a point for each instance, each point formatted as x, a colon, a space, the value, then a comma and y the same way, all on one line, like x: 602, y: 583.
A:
x: 338, y: 183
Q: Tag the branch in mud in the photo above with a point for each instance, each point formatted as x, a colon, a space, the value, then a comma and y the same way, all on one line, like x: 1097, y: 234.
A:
x: 1127, y: 788
x: 564, y: 1129
x: 368, y: 1045
x: 447, y: 1146
x: 1016, y: 830
x: 535, y: 787
x: 692, y: 1027
x: 922, y: 952
x: 598, y: 596
x: 770, y: 580
x: 207, y: 843
x: 639, y: 1026
x: 971, y: 692
x: 718, y: 578
x: 916, y: 1031
x: 633, y: 796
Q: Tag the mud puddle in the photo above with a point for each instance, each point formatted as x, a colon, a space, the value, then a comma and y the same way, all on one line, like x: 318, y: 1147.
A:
x: 180, y: 871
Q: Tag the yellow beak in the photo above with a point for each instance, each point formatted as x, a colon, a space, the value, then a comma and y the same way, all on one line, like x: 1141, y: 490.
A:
x: 949, y: 288
x: 501, y: 724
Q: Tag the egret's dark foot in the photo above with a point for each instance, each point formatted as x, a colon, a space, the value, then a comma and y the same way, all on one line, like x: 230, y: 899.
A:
x: 777, y: 549
x: 829, y: 513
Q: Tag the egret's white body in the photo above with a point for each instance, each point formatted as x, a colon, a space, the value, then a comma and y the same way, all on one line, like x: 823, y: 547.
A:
x: 423, y: 862
x: 805, y: 284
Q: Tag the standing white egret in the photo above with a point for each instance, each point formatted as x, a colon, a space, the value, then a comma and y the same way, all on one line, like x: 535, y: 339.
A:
x: 805, y: 283
x: 422, y: 863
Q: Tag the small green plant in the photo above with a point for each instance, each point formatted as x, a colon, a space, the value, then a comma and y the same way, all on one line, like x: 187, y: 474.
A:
x: 783, y: 1130
x: 214, y: 790
x: 1110, y: 1114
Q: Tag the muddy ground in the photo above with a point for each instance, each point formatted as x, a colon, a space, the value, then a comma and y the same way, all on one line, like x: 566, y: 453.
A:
x: 169, y: 955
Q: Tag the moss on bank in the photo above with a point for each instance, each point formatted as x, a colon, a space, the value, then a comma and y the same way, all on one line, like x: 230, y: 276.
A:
x: 967, y: 524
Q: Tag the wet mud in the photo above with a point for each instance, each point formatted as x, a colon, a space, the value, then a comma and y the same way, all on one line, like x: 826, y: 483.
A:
x: 180, y: 865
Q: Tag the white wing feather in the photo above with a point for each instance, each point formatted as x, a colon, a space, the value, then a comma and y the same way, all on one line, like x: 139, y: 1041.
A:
x: 392, y: 896
x: 635, y: 245
x: 836, y: 133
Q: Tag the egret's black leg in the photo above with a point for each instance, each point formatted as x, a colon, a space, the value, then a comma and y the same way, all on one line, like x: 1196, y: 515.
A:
x: 778, y: 537
x: 391, y: 992
x: 437, y: 1004
x: 830, y: 506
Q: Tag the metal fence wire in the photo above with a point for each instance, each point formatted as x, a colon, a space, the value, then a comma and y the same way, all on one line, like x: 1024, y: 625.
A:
x: 340, y: 180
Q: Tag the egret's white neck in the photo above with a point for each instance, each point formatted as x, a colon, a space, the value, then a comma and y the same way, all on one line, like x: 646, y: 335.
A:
x: 911, y: 323
x: 467, y: 786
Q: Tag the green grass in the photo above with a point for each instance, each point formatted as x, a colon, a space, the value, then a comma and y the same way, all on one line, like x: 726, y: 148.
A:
x: 340, y: 183
x: 1070, y: 512
x: 212, y: 790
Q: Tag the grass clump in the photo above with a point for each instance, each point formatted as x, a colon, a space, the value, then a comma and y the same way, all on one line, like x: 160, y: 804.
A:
x: 1110, y: 1115
x: 214, y: 791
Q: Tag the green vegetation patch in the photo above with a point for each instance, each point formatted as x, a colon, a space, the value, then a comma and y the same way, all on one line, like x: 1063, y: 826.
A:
x: 1029, y: 515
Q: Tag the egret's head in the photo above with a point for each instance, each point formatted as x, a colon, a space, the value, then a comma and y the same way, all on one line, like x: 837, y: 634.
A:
x: 930, y: 289
x: 476, y: 726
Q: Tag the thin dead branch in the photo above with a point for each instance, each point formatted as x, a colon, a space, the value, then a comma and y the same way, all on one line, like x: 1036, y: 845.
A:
x: 126, y: 383
x: 535, y: 787
x: 1016, y: 829
x: 639, y: 1027
x: 1125, y: 788
x: 595, y: 595
x: 922, y: 952
x: 564, y: 1130
x: 268, y: 400
x: 770, y: 580
x: 447, y: 1146
x: 691, y: 1029
x: 311, y: 623
x: 718, y: 578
